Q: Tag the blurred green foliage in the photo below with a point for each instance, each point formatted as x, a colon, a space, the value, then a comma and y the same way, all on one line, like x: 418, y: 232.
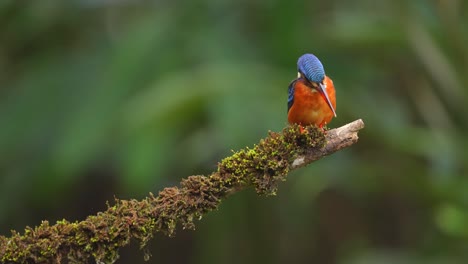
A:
x: 119, y: 98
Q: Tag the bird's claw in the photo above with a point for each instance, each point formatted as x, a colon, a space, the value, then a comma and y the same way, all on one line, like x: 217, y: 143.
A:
x: 302, y: 130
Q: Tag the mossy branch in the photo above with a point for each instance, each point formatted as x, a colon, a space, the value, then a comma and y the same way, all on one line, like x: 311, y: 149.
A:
x: 98, y: 237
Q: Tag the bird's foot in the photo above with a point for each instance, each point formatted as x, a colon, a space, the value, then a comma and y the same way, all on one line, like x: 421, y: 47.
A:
x: 323, y: 128
x: 302, y: 129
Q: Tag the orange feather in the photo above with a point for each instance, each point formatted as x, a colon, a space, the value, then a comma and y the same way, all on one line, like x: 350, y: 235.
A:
x: 310, y: 106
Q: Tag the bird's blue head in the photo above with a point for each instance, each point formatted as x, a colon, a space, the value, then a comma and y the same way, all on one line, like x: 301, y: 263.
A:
x: 311, y: 68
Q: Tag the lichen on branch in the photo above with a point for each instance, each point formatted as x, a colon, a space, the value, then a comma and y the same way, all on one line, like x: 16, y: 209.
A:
x: 99, y: 237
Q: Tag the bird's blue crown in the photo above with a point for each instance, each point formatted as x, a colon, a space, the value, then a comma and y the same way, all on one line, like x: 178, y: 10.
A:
x: 311, y: 67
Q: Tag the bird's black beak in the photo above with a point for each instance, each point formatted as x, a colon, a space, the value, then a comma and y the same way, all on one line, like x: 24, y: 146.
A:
x: 321, y: 88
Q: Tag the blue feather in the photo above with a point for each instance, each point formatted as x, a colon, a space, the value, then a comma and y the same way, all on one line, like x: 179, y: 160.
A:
x: 291, y: 94
x: 311, y: 67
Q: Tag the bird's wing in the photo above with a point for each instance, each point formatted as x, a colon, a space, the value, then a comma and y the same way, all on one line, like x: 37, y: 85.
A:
x: 291, y: 94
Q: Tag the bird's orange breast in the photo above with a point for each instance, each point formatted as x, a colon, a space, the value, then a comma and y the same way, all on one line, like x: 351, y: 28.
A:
x: 309, y: 106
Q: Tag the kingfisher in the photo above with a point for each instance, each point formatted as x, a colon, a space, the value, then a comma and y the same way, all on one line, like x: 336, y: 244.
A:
x: 311, y: 96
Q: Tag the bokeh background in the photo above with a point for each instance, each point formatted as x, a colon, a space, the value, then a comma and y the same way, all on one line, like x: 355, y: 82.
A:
x: 102, y: 99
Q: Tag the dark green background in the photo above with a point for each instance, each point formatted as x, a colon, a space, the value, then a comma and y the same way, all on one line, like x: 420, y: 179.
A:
x: 102, y: 99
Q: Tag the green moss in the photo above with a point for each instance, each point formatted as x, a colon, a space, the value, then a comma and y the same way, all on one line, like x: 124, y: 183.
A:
x: 268, y: 163
x: 98, y: 237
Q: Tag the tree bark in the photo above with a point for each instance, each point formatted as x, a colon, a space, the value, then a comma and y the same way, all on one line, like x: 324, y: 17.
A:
x: 98, y: 238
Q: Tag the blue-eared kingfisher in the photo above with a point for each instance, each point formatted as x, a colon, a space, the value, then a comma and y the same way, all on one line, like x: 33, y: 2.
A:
x: 311, y: 96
